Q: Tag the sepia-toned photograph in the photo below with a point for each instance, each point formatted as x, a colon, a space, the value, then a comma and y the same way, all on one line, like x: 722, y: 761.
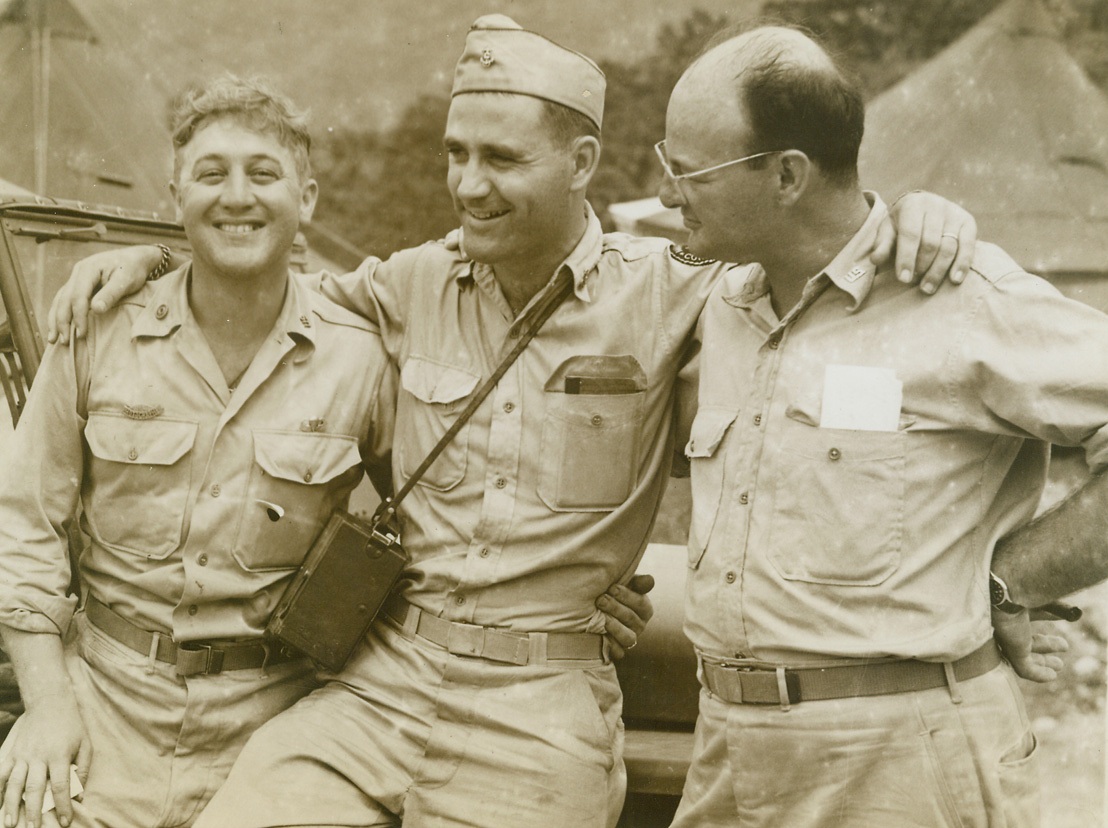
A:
x: 531, y: 414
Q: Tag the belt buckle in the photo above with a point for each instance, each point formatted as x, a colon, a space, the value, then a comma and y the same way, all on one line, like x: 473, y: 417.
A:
x: 788, y: 683
x: 209, y: 663
x: 465, y: 639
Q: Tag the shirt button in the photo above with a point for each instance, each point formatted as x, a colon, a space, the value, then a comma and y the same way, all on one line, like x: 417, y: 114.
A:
x: 729, y: 577
x: 501, y: 482
x: 162, y: 311
x: 744, y: 498
x: 834, y: 454
x: 307, y: 477
x: 757, y: 419
x: 215, y: 490
x: 509, y: 407
x: 596, y: 419
x: 484, y: 552
x: 459, y: 600
x: 202, y: 560
x: 193, y: 609
x: 133, y: 454
x: 773, y: 343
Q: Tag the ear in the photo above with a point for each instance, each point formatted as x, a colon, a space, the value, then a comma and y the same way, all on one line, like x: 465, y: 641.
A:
x: 175, y: 191
x: 309, y: 192
x: 586, y: 157
x: 794, y: 174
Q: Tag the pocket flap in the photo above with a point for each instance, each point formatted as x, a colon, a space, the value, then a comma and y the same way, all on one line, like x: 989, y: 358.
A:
x: 145, y: 442
x: 707, y: 431
x: 305, y: 457
x: 435, y: 383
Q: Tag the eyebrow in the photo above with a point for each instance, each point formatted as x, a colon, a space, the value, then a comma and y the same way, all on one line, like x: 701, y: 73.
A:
x: 261, y: 156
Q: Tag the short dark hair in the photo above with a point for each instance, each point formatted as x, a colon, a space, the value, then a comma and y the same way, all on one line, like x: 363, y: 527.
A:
x: 796, y: 104
x: 567, y: 125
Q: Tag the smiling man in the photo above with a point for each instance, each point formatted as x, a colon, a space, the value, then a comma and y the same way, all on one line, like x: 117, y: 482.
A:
x: 202, y: 400
x: 485, y: 694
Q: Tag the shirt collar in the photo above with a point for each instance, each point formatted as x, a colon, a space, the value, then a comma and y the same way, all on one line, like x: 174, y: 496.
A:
x: 851, y: 271
x: 167, y: 309
x: 581, y: 261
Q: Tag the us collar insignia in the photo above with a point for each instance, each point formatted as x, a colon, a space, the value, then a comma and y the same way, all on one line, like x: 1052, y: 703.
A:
x: 855, y: 273
x: 142, y: 412
x: 685, y: 257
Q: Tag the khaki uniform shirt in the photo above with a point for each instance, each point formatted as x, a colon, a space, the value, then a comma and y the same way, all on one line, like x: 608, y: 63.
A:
x: 548, y: 494
x: 813, y: 539
x: 175, y: 473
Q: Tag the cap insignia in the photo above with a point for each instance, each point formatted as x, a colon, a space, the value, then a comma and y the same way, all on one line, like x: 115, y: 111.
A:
x: 487, y: 59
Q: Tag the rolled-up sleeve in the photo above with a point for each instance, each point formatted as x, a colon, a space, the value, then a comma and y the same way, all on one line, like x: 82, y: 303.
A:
x: 38, y: 499
x: 1039, y: 364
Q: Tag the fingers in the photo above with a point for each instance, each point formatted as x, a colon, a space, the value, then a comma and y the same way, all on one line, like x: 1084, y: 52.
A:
x: 1035, y: 669
x: 1046, y: 644
x: 13, y: 793
x: 883, y: 245
x: 641, y: 583
x: 84, y: 760
x: 967, y: 246
x: 63, y: 798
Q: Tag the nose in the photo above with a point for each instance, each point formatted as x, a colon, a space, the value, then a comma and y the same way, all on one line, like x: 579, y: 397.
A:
x: 669, y: 193
x: 473, y: 183
x: 237, y: 191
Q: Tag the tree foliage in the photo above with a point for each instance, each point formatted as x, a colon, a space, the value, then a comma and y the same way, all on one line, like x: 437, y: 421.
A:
x: 385, y: 191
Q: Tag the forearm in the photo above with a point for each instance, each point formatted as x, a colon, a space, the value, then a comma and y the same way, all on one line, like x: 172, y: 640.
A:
x: 1060, y: 552
x: 39, y: 662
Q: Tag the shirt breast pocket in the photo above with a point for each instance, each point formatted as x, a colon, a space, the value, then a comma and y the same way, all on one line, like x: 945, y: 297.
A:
x: 431, y: 398
x: 590, y: 437
x: 706, y: 467
x: 139, y: 482
x: 838, y: 514
x: 297, y: 480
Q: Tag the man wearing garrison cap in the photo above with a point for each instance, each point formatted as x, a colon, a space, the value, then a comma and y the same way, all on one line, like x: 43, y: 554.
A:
x: 484, y: 694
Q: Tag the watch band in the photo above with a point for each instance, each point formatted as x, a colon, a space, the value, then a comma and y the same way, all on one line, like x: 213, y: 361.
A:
x: 1000, y: 598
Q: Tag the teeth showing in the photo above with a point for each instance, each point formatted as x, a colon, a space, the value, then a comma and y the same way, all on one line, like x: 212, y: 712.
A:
x: 484, y: 216
x: 237, y: 229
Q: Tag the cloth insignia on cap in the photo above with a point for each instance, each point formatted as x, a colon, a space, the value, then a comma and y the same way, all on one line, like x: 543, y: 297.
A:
x: 487, y: 59
x: 684, y: 256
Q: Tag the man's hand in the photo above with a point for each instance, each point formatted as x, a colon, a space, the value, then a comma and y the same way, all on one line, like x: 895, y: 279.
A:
x: 1032, y: 655
x: 934, y: 239
x: 627, y: 609
x: 110, y: 275
x: 49, y: 738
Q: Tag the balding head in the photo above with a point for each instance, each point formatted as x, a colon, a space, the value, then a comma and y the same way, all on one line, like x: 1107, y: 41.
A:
x: 788, y: 94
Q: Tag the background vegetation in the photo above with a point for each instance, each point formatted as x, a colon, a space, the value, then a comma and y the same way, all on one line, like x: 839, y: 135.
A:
x: 384, y: 191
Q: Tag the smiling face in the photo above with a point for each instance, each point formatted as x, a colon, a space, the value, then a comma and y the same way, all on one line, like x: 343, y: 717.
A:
x: 240, y: 199
x: 517, y: 191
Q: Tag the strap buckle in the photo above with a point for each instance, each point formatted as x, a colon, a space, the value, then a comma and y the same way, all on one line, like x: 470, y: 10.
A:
x: 196, y: 659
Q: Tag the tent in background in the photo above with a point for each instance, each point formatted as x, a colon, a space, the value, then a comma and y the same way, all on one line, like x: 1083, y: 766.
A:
x: 1007, y: 124
x: 77, y: 121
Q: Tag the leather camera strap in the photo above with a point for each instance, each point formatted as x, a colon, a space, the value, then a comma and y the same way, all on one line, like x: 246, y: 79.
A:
x: 557, y: 293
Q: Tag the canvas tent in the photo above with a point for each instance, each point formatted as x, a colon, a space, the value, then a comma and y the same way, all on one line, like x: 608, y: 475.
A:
x: 77, y: 119
x: 1003, y: 122
x: 1007, y: 124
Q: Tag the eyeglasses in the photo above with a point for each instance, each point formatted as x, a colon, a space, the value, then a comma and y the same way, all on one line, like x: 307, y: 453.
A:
x: 660, y: 148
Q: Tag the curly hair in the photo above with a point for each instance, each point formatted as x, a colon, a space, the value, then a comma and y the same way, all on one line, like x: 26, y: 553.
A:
x: 252, y: 101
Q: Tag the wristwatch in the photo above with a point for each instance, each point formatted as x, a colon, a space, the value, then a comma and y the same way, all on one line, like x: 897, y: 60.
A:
x: 998, y: 595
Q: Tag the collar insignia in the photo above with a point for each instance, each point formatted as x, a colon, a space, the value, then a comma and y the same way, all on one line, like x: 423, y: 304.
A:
x: 683, y: 255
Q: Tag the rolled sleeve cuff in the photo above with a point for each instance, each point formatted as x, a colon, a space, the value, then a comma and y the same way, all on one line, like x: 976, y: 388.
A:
x: 53, y: 617
x: 1096, y: 451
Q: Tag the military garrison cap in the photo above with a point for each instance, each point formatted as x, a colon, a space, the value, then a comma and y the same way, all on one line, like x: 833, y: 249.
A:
x: 501, y: 56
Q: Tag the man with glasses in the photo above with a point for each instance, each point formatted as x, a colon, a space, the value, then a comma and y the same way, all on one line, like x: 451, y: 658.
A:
x: 856, y: 453
x: 543, y: 501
